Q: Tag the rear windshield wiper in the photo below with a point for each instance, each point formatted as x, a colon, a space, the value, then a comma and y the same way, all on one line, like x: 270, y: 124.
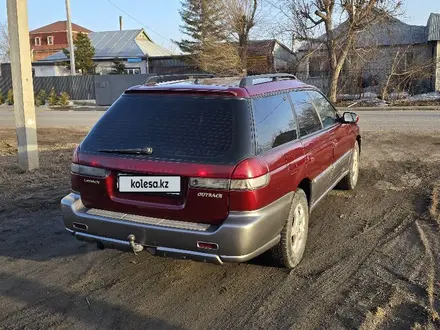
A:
x: 138, y: 151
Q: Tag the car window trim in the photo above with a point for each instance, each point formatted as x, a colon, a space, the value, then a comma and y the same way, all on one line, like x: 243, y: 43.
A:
x: 336, y: 112
x: 296, y: 115
x: 331, y: 104
x: 288, y: 91
x: 285, y: 92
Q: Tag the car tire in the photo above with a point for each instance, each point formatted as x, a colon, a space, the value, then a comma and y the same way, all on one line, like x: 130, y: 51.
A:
x: 350, y: 181
x: 290, y: 249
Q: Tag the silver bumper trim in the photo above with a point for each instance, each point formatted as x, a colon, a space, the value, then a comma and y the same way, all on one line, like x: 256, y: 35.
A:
x: 241, y: 237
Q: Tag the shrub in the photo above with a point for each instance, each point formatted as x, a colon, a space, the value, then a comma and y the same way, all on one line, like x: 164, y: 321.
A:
x: 41, y: 98
x: 63, y: 99
x: 2, y: 98
x: 10, y: 97
x: 53, y: 97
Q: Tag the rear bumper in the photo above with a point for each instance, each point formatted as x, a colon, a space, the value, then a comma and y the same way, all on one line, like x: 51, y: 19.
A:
x: 241, y: 237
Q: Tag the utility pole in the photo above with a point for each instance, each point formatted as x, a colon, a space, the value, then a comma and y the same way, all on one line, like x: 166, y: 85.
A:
x: 22, y: 84
x: 70, y: 39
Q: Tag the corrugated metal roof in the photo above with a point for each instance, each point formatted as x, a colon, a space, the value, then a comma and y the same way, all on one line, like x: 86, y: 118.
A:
x: 152, y: 49
x: 433, y: 28
x: 386, y: 32
x: 112, y: 44
x: 116, y: 43
x: 391, y: 33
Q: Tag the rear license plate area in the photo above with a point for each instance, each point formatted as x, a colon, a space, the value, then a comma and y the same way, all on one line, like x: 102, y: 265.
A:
x: 149, y: 184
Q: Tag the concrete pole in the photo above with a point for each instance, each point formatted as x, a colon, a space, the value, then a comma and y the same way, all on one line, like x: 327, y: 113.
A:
x: 22, y: 84
x: 70, y: 39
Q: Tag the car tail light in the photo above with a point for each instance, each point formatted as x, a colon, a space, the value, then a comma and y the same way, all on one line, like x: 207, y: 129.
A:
x: 89, y: 171
x: 75, y: 158
x: 250, y: 174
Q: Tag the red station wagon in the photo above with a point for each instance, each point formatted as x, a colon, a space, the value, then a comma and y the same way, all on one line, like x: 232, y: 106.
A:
x: 214, y: 170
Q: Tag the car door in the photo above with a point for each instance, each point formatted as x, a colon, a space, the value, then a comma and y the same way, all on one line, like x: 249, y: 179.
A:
x: 317, y: 145
x: 339, y: 133
x: 277, y: 141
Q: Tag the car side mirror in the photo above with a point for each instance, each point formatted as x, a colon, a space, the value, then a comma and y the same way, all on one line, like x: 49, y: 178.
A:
x: 350, y: 118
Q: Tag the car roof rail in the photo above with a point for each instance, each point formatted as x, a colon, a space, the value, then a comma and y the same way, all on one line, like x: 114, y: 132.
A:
x: 175, y: 78
x: 249, y: 80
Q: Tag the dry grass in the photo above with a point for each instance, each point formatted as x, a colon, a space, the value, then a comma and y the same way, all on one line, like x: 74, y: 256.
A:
x: 375, y: 320
x: 43, y: 187
x: 431, y: 272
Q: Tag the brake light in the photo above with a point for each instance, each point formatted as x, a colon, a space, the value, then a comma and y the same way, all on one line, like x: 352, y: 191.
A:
x: 250, y: 174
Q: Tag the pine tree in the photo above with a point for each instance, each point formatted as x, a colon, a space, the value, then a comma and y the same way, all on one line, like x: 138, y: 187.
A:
x: 118, y: 67
x: 206, y: 36
x: 84, y: 52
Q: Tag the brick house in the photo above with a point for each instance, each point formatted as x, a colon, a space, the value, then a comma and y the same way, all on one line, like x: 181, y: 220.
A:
x: 50, y: 39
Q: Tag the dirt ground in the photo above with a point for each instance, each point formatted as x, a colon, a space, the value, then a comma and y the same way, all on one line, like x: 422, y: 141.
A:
x: 372, y: 259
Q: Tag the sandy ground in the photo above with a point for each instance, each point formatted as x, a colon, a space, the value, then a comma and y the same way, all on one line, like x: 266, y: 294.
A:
x: 372, y: 259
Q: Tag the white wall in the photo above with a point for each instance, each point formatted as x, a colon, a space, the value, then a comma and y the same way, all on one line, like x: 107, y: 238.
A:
x: 50, y: 70
x: 105, y: 67
x: 283, y: 59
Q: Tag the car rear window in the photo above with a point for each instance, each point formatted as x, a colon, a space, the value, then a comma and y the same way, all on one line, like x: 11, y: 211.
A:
x: 177, y: 128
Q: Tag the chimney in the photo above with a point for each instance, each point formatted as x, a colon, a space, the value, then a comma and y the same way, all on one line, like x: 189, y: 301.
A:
x: 120, y: 23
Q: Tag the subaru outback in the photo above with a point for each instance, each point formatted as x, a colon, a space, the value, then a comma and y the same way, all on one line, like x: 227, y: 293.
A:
x: 213, y: 170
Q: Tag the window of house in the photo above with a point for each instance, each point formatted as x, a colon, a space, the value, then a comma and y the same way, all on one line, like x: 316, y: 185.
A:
x: 132, y: 71
x: 37, y: 41
x: 325, y: 110
x: 308, y: 119
x: 50, y: 40
x: 274, y: 121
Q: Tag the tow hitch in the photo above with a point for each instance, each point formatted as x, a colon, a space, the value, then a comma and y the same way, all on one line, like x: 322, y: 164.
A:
x: 136, y: 248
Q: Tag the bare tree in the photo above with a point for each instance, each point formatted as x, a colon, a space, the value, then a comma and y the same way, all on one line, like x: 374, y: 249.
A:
x: 403, y: 74
x: 4, y: 43
x: 308, y: 18
x: 241, y: 18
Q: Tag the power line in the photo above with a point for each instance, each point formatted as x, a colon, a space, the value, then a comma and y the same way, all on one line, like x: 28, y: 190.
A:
x: 133, y: 18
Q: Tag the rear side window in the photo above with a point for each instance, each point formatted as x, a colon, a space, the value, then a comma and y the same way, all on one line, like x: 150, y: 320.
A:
x: 308, y: 120
x: 325, y: 110
x: 274, y: 121
x: 178, y: 128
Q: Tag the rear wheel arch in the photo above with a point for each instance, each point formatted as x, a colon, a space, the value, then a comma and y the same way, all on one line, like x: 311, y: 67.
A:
x: 359, y: 139
x: 306, y: 186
